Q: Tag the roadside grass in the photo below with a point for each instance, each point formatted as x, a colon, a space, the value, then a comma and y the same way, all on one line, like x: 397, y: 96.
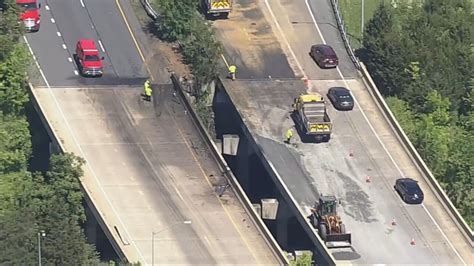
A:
x: 351, y: 11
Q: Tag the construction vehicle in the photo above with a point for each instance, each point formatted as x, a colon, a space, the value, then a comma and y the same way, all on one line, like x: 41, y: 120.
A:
x: 29, y: 14
x: 217, y: 7
x: 311, y: 117
x: 329, y: 225
x: 87, y: 58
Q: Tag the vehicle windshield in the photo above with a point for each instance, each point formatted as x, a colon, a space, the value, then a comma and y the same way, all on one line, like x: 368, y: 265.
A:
x: 28, y: 6
x: 412, y: 187
x: 92, y: 58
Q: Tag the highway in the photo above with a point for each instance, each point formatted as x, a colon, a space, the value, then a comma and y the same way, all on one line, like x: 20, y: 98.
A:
x: 147, y: 172
x: 308, y: 169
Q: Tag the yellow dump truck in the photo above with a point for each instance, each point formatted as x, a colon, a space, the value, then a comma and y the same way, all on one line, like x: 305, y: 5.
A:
x: 217, y: 7
x: 311, y: 117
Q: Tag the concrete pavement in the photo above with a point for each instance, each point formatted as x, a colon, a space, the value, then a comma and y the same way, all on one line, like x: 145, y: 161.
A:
x: 146, y: 168
x: 147, y: 172
x: 310, y: 169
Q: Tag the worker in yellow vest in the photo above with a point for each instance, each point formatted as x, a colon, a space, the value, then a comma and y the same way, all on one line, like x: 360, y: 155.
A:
x: 148, y: 90
x: 289, y: 135
x: 232, y: 70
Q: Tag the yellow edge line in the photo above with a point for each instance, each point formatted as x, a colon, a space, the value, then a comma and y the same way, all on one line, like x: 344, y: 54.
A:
x: 220, y: 201
x: 134, y: 40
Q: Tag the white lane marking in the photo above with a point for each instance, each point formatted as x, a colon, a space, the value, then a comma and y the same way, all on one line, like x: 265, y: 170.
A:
x: 82, y: 3
x: 76, y: 73
x: 101, y: 46
x: 53, y: 21
x: 58, y: 33
x: 64, y: 46
x: 47, y: 7
x: 284, y: 38
x: 36, y: 62
x: 69, y: 59
x: 376, y: 135
x: 80, y: 149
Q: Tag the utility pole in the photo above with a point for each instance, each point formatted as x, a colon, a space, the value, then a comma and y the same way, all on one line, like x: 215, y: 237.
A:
x: 362, y: 19
x: 41, y: 233
x: 155, y: 233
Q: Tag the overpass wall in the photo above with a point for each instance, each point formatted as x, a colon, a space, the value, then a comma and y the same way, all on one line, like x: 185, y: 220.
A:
x: 229, y: 175
x: 292, y: 230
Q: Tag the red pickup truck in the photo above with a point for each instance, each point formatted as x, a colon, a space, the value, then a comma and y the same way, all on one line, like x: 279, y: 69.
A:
x: 88, y: 59
x: 30, y: 14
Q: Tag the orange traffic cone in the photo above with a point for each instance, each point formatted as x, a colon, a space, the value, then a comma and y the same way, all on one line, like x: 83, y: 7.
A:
x: 306, y: 82
x: 412, y: 242
x: 394, y: 222
x: 367, y: 179
x: 351, y: 153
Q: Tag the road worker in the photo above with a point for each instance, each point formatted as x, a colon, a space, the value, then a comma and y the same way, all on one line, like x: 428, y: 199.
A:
x: 148, y: 91
x: 289, y: 135
x: 232, y: 70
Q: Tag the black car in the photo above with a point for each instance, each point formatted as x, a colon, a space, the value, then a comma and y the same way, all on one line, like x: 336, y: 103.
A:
x: 341, y: 98
x: 409, y: 190
x: 324, y: 55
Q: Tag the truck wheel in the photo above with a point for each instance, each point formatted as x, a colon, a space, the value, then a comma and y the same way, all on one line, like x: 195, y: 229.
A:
x: 322, y: 231
x: 343, y: 228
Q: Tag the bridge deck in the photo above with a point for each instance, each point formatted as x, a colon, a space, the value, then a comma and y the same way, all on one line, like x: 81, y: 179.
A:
x: 148, y: 171
x: 308, y: 169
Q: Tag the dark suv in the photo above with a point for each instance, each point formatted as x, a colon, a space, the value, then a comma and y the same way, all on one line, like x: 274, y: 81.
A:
x: 324, y: 55
x: 409, y: 190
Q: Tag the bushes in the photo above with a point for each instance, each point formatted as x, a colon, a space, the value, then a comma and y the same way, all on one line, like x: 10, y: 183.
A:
x: 180, y: 21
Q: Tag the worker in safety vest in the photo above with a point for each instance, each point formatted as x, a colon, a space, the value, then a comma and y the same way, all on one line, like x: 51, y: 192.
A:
x: 289, y: 135
x: 148, y: 91
x: 232, y: 70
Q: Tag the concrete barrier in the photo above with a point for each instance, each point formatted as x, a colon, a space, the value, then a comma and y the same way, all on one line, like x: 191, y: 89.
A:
x: 228, y: 174
x: 416, y: 158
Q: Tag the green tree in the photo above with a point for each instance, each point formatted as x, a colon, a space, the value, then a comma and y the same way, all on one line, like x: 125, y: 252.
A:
x: 15, y: 144
x: 13, y: 86
x: 10, y: 29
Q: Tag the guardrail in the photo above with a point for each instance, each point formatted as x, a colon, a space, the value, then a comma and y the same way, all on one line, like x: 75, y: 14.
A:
x: 149, y: 10
x: 416, y: 158
x: 406, y: 143
x: 342, y: 30
x: 231, y: 179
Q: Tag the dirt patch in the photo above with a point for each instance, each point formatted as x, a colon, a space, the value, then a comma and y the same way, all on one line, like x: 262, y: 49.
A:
x: 249, y: 41
x: 159, y: 52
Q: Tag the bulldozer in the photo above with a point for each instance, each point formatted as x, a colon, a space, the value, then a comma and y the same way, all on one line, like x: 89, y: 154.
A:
x: 330, y: 227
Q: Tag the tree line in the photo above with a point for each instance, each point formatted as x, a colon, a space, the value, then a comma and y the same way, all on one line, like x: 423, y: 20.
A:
x: 422, y: 59
x: 31, y: 202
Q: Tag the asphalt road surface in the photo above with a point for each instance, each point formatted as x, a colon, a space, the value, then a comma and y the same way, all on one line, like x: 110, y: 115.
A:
x: 308, y: 169
x: 101, y: 21
x: 146, y: 168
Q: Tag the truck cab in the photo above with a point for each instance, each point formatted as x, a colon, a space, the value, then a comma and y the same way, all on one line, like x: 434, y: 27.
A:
x: 30, y: 14
x: 88, y: 59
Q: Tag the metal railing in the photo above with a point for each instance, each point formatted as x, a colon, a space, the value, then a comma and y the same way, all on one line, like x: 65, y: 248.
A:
x: 342, y: 30
x: 149, y: 9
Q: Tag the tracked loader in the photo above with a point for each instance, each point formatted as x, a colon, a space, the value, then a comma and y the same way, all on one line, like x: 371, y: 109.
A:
x: 330, y: 227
